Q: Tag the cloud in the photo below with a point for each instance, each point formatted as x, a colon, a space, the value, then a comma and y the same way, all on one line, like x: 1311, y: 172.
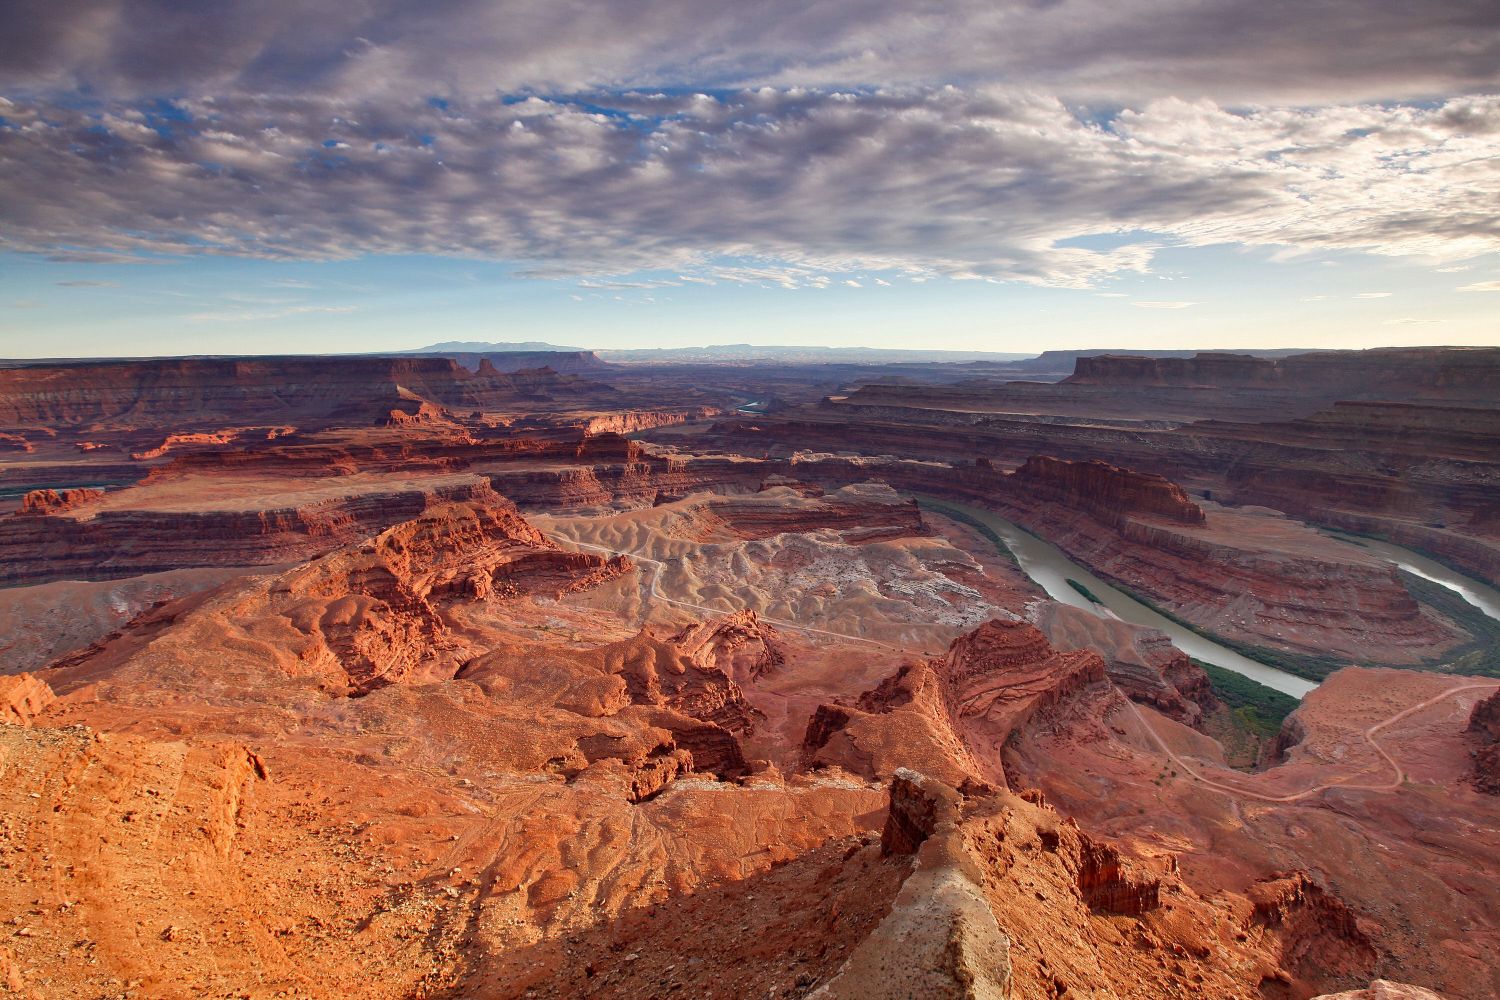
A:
x: 95, y: 257
x: 774, y: 186
x: 1372, y: 295
x: 1163, y: 305
x: 1481, y: 286
x: 1227, y: 49
x: 265, y: 316
x: 87, y: 284
x: 617, y: 285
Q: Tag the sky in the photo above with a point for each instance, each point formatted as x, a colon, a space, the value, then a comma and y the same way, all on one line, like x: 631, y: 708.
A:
x: 267, y: 176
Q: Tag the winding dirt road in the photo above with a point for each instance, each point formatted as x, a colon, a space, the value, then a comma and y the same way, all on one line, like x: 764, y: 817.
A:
x: 1368, y: 734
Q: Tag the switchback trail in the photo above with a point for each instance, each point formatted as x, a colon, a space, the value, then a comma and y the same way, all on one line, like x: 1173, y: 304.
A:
x: 1368, y: 734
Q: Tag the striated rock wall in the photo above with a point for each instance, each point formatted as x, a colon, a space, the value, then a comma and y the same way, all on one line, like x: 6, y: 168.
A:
x: 1141, y: 662
x: 1251, y: 576
x: 57, y: 501
x: 1109, y: 883
x: 511, y: 361
x: 631, y: 421
x: 1236, y: 584
x: 1322, y: 939
x: 1201, y: 369
x: 1004, y: 673
x: 632, y: 483
x: 1414, y: 462
x: 191, y: 394
x: 864, y: 512
x: 1456, y: 373
x: 62, y: 537
x: 951, y: 717
x: 111, y: 544
x: 1106, y: 491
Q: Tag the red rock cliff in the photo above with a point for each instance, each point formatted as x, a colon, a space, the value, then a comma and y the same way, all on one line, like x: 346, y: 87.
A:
x: 22, y: 698
x: 1394, y: 373
x: 951, y: 717
x: 1485, y: 723
x: 1108, y: 491
x: 49, y: 501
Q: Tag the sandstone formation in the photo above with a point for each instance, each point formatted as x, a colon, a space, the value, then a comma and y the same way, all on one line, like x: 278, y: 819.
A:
x: 1384, y: 989
x: 1249, y: 575
x: 22, y: 698
x: 513, y: 361
x: 108, y: 543
x: 41, y: 623
x: 56, y: 501
x: 1008, y: 899
x: 190, y: 393
x: 1450, y: 373
x: 374, y: 608
x: 1245, y: 575
x: 1396, y: 443
x: 1107, y: 492
x: 739, y: 645
x: 1142, y: 663
x: 877, y: 511
x: 941, y: 939
x: 952, y: 716
x: 1484, y: 723
x: 420, y: 677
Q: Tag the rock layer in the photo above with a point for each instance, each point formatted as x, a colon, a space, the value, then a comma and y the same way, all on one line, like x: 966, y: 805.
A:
x: 22, y: 698
x: 952, y: 716
x: 1484, y: 724
x: 1107, y: 492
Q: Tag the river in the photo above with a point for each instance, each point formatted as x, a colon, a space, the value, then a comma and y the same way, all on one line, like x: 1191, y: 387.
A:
x: 1051, y: 569
x: 1482, y: 596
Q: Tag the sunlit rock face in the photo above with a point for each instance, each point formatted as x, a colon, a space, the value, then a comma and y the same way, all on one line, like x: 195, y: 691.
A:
x: 464, y: 681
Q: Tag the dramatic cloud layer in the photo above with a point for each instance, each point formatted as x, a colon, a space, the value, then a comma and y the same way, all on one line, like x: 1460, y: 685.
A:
x: 970, y: 140
x: 1316, y: 51
x: 991, y: 183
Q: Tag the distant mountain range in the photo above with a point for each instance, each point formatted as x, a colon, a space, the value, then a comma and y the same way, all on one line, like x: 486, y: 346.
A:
x: 735, y: 353
x: 481, y: 347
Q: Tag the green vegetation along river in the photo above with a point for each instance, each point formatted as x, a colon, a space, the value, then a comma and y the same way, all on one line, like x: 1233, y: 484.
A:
x: 1052, y: 570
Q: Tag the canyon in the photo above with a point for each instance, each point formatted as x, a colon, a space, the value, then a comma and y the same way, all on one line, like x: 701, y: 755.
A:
x: 476, y: 674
